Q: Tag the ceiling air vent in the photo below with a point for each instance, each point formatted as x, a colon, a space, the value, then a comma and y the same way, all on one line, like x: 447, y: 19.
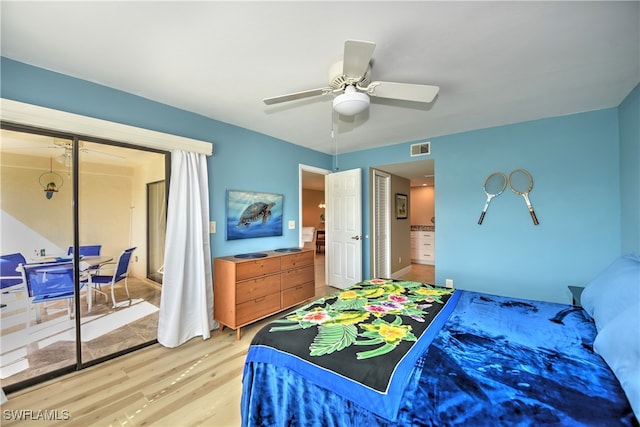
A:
x: 421, y: 149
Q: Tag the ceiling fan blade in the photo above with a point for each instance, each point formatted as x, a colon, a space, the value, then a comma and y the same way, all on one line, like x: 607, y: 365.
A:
x: 297, y: 95
x: 102, y: 153
x: 357, y: 55
x: 402, y: 91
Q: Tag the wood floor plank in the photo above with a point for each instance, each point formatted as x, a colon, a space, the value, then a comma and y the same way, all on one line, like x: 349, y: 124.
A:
x: 117, y: 413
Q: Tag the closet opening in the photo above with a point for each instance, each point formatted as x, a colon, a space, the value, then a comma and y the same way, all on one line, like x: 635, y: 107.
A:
x: 411, y: 238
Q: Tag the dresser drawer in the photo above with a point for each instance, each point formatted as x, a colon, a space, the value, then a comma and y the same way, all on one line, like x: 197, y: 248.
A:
x: 426, y: 256
x: 425, y: 245
x: 258, y: 267
x: 256, y: 288
x: 297, y: 294
x: 297, y: 276
x: 297, y: 260
x: 257, y: 308
x: 425, y: 235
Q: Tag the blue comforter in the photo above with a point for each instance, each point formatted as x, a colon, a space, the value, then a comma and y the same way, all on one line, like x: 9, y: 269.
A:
x: 496, y: 361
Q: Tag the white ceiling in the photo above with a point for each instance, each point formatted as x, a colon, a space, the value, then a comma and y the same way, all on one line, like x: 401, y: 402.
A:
x: 495, y: 62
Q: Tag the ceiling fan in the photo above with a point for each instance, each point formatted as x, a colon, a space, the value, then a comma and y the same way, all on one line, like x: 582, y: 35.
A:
x: 66, y: 158
x: 351, y: 78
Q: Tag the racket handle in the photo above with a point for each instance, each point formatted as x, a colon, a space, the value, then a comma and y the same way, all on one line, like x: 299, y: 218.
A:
x: 481, y: 217
x: 533, y: 216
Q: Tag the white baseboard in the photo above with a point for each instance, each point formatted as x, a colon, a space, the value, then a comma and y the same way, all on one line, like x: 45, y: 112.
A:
x: 401, y: 272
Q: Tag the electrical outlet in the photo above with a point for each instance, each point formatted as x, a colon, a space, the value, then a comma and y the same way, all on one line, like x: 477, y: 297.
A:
x: 448, y: 283
x: 292, y: 224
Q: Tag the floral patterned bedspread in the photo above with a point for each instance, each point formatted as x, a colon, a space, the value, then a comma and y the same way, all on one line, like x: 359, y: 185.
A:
x: 496, y: 361
x: 362, y: 342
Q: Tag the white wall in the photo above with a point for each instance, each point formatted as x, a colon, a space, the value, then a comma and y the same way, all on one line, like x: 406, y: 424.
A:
x: 422, y: 205
x: 30, y: 221
x: 112, y: 208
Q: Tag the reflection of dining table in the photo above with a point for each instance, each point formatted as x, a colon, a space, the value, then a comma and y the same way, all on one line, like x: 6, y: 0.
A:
x: 93, y: 261
x: 88, y: 264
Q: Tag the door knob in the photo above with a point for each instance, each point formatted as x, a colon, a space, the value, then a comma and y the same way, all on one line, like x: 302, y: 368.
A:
x: 356, y: 237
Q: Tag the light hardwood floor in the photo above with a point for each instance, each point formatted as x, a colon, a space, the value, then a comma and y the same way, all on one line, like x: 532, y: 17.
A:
x: 196, y: 384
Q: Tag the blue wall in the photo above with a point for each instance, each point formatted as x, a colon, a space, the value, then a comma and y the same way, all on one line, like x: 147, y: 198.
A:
x: 242, y: 160
x: 630, y: 171
x: 251, y: 161
x: 575, y: 162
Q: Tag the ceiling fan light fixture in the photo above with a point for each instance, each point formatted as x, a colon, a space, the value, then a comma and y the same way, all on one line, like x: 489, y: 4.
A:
x: 351, y: 102
x: 65, y: 159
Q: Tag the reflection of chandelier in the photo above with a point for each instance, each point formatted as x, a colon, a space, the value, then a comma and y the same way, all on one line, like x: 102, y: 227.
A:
x: 50, y: 182
x: 322, y: 205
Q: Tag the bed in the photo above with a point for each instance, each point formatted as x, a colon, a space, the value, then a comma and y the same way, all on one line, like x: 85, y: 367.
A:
x: 400, y: 353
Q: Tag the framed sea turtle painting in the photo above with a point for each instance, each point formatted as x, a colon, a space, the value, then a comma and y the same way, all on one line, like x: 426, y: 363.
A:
x: 251, y: 214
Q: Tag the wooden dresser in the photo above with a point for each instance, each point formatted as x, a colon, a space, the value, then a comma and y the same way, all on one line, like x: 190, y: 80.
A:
x: 249, y: 289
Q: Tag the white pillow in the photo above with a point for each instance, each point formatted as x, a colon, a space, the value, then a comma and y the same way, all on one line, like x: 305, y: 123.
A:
x: 619, y: 345
x: 613, y: 290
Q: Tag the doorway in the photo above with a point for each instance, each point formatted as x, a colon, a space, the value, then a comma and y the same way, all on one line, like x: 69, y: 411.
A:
x: 421, y: 230
x: 156, y: 229
x: 312, y: 214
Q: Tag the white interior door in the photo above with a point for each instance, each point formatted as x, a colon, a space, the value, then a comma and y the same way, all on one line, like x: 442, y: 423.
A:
x: 343, y: 244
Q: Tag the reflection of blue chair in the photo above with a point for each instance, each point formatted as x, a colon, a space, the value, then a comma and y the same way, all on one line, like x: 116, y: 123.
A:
x: 9, y: 277
x: 50, y: 282
x: 89, y: 250
x: 121, y: 272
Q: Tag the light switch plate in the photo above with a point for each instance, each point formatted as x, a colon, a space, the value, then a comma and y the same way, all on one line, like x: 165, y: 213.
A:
x: 212, y: 227
x: 292, y: 224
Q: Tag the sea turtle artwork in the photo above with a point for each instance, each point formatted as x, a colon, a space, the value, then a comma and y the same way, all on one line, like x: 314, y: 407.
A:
x: 255, y: 212
x: 251, y: 214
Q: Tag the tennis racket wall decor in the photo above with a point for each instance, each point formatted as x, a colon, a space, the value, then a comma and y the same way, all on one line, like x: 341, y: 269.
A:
x: 521, y: 183
x: 494, y: 185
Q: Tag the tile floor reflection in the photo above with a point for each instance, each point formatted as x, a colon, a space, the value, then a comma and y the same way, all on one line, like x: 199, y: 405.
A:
x: 33, y: 350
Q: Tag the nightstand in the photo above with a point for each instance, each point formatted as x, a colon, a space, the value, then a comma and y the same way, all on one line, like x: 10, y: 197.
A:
x: 576, y: 292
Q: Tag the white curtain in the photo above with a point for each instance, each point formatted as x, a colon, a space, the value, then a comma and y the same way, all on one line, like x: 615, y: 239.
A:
x: 186, y: 304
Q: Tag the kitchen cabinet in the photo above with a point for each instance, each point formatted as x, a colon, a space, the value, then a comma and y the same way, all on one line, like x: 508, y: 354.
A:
x: 423, y: 247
